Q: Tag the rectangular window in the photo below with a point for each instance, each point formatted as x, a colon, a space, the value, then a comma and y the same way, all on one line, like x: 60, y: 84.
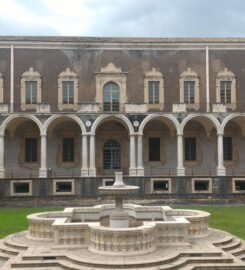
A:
x: 68, y: 149
x: 190, y: 148
x: 227, y: 148
x: 68, y: 92
x: 64, y: 186
x: 31, y: 92
x: 189, y: 92
x: 225, y: 92
x: 153, y: 88
x: 21, y: 187
x: 240, y: 185
x: 201, y: 185
x: 161, y: 185
x: 154, y: 149
x: 31, y: 150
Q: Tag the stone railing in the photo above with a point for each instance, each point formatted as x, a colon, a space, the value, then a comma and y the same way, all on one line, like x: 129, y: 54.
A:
x: 130, y: 241
x: 198, y: 226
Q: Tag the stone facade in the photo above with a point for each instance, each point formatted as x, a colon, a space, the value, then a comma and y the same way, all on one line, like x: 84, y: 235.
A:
x: 167, y: 89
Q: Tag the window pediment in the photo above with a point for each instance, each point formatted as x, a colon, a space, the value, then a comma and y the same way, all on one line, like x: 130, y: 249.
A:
x: 153, y: 73
x: 226, y: 74
x: 189, y: 73
x: 31, y: 74
x: 111, y: 68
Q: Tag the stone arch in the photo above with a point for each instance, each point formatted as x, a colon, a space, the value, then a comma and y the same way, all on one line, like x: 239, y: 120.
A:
x: 119, y: 118
x: 169, y: 117
x: 69, y: 116
x: 229, y: 118
x: 206, y: 125
x: 27, y: 116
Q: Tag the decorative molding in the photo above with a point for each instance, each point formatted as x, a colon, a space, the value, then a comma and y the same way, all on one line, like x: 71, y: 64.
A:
x: 30, y: 75
x: 111, y: 73
x: 67, y: 75
x: 190, y: 75
x: 154, y: 75
x: 226, y: 75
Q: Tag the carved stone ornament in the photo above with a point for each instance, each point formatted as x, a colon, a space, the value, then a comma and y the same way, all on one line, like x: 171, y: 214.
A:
x: 188, y: 73
x: 226, y: 73
x: 31, y: 74
x: 111, y: 68
x: 153, y: 73
x: 67, y: 73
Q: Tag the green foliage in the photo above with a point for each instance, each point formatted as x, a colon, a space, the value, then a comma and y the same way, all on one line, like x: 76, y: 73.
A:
x: 227, y: 218
x: 14, y: 219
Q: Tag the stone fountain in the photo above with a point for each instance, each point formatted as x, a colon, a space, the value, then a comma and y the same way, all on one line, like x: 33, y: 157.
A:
x: 125, y: 236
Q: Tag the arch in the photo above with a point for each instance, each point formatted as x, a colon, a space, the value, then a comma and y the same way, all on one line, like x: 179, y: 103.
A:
x: 119, y: 118
x: 170, y: 117
x: 12, y: 117
x: 228, y: 119
x: 69, y: 116
x: 210, y: 117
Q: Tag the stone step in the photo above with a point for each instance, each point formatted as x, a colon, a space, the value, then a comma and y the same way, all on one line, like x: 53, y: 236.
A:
x: 233, y: 245
x: 5, y: 256
x: 224, y: 241
x: 238, y: 251
x: 8, y: 250
x: 241, y: 257
x: 14, y: 245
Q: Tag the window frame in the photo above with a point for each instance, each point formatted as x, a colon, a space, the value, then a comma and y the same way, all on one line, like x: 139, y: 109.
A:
x: 240, y: 179
x: 190, y: 137
x: 190, y: 76
x: 169, y: 180
x: 154, y: 137
x: 30, y: 76
x: 55, y: 192
x: 25, y: 154
x: 12, y: 192
x: 63, y: 149
x: 70, y: 76
x: 222, y: 76
x: 210, y: 185
x: 111, y: 92
x: 111, y: 154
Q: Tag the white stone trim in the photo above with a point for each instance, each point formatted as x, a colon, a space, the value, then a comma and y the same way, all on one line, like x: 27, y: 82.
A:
x: 234, y: 190
x: 210, y: 187
x: 154, y: 75
x: 169, y: 180
x: 226, y: 75
x: 67, y: 75
x: 12, y: 182
x: 72, y: 181
x: 30, y: 75
x: 1, y: 88
x: 190, y: 75
x: 111, y: 73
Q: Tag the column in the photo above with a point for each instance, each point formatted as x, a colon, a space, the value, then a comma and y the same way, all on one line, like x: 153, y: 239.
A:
x: 84, y: 170
x: 43, y: 167
x: 180, y: 167
x: 132, y: 168
x: 220, y: 167
x: 2, y: 170
x: 92, y: 169
x: 140, y: 167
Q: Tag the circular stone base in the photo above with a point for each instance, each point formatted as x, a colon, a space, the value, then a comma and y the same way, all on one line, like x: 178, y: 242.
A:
x: 119, y: 220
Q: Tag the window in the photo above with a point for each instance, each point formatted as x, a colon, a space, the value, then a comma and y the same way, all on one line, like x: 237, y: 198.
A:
x: 31, y: 150
x: 63, y: 187
x: 111, y: 155
x: 21, y: 187
x: 31, y: 92
x: 201, y: 185
x: 238, y: 185
x: 111, y: 97
x: 153, y: 87
x: 226, y: 88
x: 190, y: 148
x: 68, y: 92
x: 227, y: 148
x: 189, y: 92
x: 68, y: 149
x: 154, y: 149
x: 189, y: 89
x: 161, y: 185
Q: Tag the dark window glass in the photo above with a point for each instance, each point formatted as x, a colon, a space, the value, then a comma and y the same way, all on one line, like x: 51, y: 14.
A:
x: 111, y: 97
x: 154, y: 149
x: 68, y: 149
x: 160, y: 186
x: 31, y: 150
x: 21, y: 187
x: 153, y: 87
x: 31, y: 92
x: 225, y: 92
x: 240, y: 185
x: 63, y: 186
x: 189, y: 92
x: 201, y: 185
x: 111, y: 155
x: 227, y: 148
x: 190, y: 148
x: 68, y: 92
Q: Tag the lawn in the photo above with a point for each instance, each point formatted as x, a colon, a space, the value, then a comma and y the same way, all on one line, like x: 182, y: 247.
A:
x: 228, y: 218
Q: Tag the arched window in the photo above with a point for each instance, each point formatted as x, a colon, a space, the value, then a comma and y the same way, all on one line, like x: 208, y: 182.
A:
x: 111, y: 155
x: 111, y: 97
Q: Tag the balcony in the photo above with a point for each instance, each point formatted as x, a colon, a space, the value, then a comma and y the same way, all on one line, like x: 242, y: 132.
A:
x: 39, y: 107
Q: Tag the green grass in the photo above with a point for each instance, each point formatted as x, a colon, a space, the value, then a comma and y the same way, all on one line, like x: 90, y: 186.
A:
x: 14, y: 219
x: 227, y: 218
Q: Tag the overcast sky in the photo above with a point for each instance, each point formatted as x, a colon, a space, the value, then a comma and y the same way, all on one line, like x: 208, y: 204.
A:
x: 149, y: 18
